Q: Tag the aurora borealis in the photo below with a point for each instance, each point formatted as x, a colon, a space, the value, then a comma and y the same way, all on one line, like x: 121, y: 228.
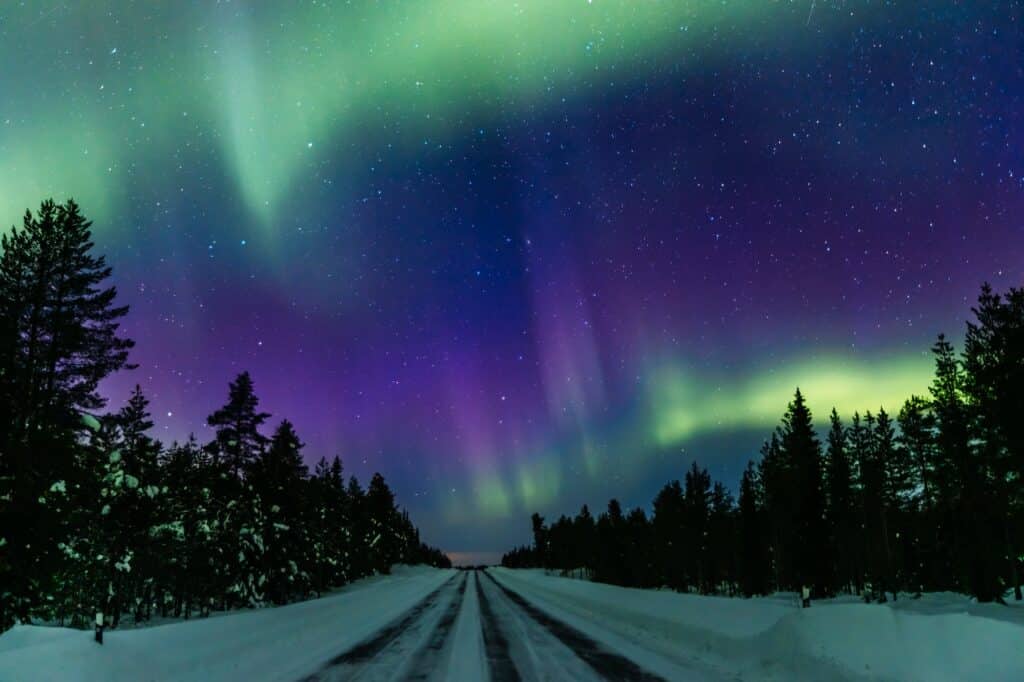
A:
x: 519, y: 256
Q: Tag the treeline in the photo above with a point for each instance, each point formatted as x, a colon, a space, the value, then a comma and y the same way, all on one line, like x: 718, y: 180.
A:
x: 931, y: 500
x: 98, y: 516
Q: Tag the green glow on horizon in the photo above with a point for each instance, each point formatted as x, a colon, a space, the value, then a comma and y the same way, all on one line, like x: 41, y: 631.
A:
x: 684, y: 405
x: 681, y: 404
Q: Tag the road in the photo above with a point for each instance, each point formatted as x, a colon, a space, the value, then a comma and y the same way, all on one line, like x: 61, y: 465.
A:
x: 421, y: 623
x: 474, y: 627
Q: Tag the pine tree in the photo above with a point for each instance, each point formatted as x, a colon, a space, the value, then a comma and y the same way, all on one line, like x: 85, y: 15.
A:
x: 696, y: 513
x: 114, y: 516
x: 802, y: 451
x: 778, y: 499
x: 639, y: 571
x: 611, y: 564
x: 841, y: 511
x: 238, y: 441
x: 59, y: 328
x: 381, y: 519
x: 140, y: 454
x: 278, y: 478
x: 753, y: 558
x: 540, y: 540
x: 669, y: 554
x: 362, y: 535
x: 95, y: 516
x: 722, y: 560
x: 926, y: 562
x: 878, y: 503
x: 937, y: 505
x: 330, y: 526
x: 917, y: 437
x: 341, y: 526
x: 965, y: 502
x: 994, y: 385
x: 239, y: 515
x: 586, y: 539
x: 561, y: 534
x: 192, y: 531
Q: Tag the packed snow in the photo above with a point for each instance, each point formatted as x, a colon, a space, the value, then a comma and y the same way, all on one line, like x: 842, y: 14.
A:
x: 283, y: 643
x: 425, y: 623
x: 936, y: 637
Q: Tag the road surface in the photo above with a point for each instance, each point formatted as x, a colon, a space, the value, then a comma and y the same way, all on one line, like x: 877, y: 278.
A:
x: 420, y: 623
x: 474, y: 627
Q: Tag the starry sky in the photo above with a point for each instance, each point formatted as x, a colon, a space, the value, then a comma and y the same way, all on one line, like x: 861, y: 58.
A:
x: 522, y: 255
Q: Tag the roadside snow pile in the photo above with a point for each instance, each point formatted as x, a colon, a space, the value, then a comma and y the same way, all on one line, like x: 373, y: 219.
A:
x: 942, y: 641
x: 937, y: 637
x: 279, y: 643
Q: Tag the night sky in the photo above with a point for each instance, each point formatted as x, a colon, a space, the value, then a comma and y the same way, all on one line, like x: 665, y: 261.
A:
x: 521, y: 255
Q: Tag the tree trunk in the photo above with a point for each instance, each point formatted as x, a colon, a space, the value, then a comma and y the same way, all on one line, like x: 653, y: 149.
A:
x: 1014, y: 573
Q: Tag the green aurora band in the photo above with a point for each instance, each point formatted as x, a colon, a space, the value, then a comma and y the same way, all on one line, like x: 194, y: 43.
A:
x: 683, y: 405
x: 264, y: 90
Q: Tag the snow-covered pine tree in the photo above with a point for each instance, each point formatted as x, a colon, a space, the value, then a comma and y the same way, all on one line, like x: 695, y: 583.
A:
x: 382, y: 525
x: 328, y: 526
x: 278, y: 478
x: 140, y: 456
x: 362, y: 533
x: 110, y: 509
x: 340, y: 526
x: 187, y: 534
x: 58, y: 341
x: 239, y: 516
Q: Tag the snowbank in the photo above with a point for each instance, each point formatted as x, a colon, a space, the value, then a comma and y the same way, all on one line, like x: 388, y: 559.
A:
x: 876, y: 640
x: 939, y: 637
x: 278, y: 643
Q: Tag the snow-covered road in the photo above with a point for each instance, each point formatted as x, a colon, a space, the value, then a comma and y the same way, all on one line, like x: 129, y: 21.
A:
x: 544, y: 647
x: 524, y: 625
x: 427, y: 624
x: 475, y: 627
x: 413, y: 647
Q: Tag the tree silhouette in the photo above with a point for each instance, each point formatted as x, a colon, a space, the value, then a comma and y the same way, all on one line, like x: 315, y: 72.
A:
x: 60, y: 339
x: 238, y: 441
x: 932, y: 502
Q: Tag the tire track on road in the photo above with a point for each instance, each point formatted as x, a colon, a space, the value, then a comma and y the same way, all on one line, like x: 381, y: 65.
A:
x: 499, y: 662
x: 365, y: 651
x: 605, y: 662
x: 427, y: 659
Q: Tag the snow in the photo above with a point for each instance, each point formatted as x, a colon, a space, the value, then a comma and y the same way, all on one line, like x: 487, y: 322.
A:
x: 467, y: 661
x: 281, y: 643
x: 677, y: 636
x: 90, y: 422
x: 938, y: 637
